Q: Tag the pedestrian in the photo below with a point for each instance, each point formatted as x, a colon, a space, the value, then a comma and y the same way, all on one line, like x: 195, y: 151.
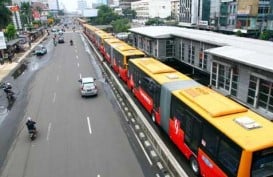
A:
x: 29, y: 43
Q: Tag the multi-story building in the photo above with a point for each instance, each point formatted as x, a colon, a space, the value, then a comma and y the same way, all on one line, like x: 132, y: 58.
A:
x: 175, y: 9
x: 82, y: 4
x: 194, y: 13
x: 146, y: 9
x: 249, y: 17
x: 124, y: 4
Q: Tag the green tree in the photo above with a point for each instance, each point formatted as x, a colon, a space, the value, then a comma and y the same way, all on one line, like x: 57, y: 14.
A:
x: 5, y: 14
x: 154, y: 21
x: 120, y: 25
x: 105, y: 16
x: 239, y: 33
x: 10, y: 32
x: 265, y: 35
x: 26, y: 13
x: 129, y: 13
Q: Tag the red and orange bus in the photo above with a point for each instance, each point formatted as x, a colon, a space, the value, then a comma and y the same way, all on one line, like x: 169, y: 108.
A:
x: 109, y: 44
x: 89, y: 31
x: 121, y: 55
x: 218, y: 136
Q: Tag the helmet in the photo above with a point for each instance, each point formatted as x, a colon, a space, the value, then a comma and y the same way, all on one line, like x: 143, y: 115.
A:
x: 29, y: 118
x: 8, y: 85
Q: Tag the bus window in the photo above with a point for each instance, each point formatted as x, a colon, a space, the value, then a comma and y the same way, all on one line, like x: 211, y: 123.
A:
x: 210, y: 140
x: 263, y: 163
x: 229, y: 156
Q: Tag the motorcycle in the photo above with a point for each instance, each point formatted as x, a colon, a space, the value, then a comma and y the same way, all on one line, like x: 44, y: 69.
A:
x: 32, y: 131
x: 8, y: 90
x: 32, y: 134
x: 71, y: 42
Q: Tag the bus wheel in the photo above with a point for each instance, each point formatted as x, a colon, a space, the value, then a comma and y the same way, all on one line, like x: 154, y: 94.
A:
x: 194, y: 166
x: 153, y: 117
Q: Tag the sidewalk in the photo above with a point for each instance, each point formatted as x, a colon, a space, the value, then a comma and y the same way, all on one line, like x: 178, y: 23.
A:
x: 7, y: 67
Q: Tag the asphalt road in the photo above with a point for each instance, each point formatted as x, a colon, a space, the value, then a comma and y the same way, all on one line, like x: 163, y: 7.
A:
x: 77, y: 136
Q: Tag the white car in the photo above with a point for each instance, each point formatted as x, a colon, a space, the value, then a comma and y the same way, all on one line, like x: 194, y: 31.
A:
x: 88, y: 86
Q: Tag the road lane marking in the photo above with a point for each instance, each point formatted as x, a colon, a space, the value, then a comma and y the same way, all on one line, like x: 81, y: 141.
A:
x: 57, y: 79
x: 98, y: 175
x: 77, y: 57
x: 54, y: 97
x: 140, y: 144
x: 89, y: 125
x: 78, y: 64
x: 48, y: 131
x: 80, y: 75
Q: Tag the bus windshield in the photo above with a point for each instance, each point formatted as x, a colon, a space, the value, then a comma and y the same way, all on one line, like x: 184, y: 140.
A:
x: 263, y: 163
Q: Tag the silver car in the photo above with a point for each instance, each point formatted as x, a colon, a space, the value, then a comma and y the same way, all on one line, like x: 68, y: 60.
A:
x: 88, y: 86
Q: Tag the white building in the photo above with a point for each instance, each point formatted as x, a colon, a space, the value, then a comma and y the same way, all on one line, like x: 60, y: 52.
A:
x: 175, y: 8
x: 189, y: 12
x: 146, y: 9
x: 82, y: 4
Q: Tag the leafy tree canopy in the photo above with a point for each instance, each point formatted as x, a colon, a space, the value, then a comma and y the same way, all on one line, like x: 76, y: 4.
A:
x: 120, y: 25
x: 10, y: 31
x: 154, y: 21
x: 105, y: 16
x: 129, y: 13
x: 5, y: 14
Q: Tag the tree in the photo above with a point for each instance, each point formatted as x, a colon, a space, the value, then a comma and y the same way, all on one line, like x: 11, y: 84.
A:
x: 10, y: 31
x: 154, y: 21
x: 26, y: 13
x: 105, y: 16
x: 5, y: 14
x: 120, y: 25
x: 129, y: 13
x: 265, y: 35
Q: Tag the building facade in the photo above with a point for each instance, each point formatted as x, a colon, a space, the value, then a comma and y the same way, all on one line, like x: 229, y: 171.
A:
x: 175, y: 9
x: 146, y: 9
x: 194, y: 13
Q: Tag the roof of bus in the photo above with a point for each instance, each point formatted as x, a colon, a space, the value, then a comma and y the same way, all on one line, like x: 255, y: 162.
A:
x: 113, y: 40
x: 116, y: 44
x: 81, y: 20
x: 125, y: 47
x: 133, y: 52
x: 243, y: 126
x: 92, y: 28
x: 159, y: 71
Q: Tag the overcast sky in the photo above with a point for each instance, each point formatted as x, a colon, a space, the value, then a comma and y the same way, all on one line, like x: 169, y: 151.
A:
x: 71, y: 5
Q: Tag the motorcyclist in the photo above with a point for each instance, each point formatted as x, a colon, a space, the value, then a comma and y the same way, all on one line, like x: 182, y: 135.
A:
x: 71, y: 42
x: 8, y: 90
x: 30, y: 124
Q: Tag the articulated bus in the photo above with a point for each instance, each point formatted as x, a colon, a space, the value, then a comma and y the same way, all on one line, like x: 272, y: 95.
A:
x: 81, y: 21
x: 109, y: 44
x: 90, y: 32
x: 122, y: 54
x: 218, y: 136
x: 100, y: 37
x: 146, y: 76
